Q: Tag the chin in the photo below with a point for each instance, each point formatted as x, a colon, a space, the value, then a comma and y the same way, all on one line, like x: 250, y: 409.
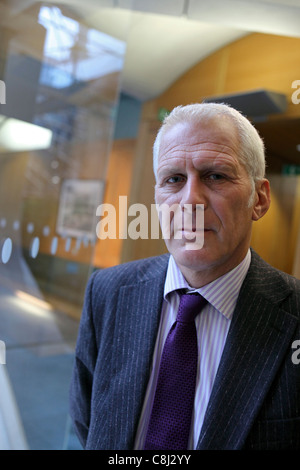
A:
x: 195, y: 259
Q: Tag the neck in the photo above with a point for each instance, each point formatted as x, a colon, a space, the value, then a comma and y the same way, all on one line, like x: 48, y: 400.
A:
x: 206, y: 275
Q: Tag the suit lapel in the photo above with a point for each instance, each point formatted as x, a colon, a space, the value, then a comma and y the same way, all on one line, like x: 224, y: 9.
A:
x: 258, y: 339
x: 137, y: 320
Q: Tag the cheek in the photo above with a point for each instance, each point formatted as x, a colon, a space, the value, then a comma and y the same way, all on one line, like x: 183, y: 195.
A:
x: 232, y: 211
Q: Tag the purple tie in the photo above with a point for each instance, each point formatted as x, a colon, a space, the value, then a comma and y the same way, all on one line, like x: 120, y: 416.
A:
x: 170, y: 420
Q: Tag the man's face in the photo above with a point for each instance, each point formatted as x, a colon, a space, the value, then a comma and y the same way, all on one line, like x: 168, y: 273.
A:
x: 199, y: 164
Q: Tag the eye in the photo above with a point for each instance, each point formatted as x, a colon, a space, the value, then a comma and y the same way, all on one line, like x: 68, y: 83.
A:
x: 175, y: 179
x: 215, y: 177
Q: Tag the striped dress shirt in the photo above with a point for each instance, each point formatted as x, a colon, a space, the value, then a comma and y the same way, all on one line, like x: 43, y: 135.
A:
x: 212, y: 327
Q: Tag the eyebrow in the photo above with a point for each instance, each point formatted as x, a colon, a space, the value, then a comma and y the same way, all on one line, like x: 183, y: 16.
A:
x: 214, y: 166
x: 203, y: 168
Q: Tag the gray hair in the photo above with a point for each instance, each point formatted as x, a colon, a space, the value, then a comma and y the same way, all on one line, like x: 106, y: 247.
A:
x: 252, y: 150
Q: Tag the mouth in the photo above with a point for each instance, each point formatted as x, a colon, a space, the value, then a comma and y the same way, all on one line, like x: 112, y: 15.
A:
x: 194, y: 235
x: 194, y: 230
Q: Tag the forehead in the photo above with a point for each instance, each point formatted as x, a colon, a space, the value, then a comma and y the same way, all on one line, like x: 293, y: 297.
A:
x: 216, y: 133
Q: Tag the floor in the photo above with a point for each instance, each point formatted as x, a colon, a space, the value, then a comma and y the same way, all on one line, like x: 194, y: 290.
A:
x: 39, y: 343
x: 41, y: 394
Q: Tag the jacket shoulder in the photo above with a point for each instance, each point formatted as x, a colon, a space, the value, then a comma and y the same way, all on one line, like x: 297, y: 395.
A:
x: 276, y: 285
x: 131, y: 272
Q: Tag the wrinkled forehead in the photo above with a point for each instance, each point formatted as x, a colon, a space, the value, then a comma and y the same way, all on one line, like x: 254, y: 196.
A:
x: 219, y: 131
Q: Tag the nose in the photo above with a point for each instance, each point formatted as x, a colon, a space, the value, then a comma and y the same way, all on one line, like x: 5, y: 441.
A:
x: 193, y: 192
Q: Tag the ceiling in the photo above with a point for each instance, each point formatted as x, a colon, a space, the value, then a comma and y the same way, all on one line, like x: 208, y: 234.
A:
x: 165, y: 38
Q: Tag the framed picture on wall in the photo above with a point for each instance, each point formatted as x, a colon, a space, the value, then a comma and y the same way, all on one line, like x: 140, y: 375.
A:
x: 78, y: 202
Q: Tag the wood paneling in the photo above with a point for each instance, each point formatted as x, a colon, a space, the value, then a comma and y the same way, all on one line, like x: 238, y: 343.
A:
x: 274, y: 236
x: 255, y: 61
x: 108, y: 251
x: 142, y: 192
x: 294, y: 252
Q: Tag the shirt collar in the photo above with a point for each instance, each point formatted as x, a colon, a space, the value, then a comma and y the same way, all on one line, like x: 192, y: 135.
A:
x: 222, y: 293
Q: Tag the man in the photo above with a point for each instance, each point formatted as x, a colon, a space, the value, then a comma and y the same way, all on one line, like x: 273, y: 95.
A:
x: 247, y: 385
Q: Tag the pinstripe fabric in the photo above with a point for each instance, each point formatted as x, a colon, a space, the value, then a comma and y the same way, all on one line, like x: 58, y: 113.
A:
x: 261, y: 399
x: 254, y: 403
x: 212, y: 328
x: 114, y: 349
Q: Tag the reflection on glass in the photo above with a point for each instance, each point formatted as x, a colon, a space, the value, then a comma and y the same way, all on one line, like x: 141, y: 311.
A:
x: 6, y: 250
x: 61, y: 82
x: 16, y: 135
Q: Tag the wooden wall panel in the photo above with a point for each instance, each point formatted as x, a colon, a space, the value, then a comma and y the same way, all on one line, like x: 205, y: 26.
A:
x: 274, y: 236
x: 263, y: 61
x: 108, y: 251
x: 142, y: 192
x: 295, y: 253
x: 204, y: 79
x: 255, y: 61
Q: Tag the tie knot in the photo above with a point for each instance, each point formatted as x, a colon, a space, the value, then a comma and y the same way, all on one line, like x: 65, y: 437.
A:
x: 189, y: 307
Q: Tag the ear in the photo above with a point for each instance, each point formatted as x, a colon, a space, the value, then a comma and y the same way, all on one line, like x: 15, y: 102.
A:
x: 262, y: 199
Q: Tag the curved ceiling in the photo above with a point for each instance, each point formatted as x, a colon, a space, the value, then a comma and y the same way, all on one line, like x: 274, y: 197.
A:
x: 161, y: 48
x: 165, y: 38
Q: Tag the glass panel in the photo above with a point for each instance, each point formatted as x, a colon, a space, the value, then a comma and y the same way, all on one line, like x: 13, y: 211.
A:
x: 58, y: 94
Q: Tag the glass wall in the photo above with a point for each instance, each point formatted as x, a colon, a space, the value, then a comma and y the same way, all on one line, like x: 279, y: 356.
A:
x: 58, y: 96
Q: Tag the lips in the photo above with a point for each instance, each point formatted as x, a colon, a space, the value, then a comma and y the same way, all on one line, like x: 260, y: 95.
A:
x: 194, y: 230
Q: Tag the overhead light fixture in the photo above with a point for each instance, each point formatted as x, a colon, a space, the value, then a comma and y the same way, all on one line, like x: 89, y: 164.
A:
x: 17, y: 136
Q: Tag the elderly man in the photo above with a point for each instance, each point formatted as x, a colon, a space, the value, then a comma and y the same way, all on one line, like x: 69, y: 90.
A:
x: 193, y: 350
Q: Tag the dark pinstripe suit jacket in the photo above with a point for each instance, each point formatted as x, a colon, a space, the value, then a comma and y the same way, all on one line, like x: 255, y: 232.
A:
x: 255, y: 402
